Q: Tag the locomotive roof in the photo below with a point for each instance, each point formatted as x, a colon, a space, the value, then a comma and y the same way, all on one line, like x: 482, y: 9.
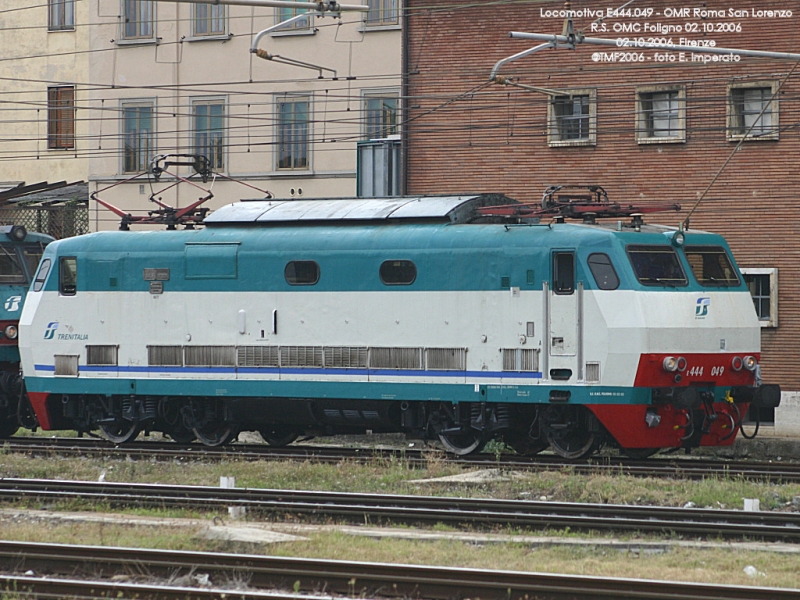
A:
x: 453, y: 209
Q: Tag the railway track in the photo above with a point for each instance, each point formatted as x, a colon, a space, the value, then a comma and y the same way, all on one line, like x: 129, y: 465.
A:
x: 378, y: 508
x: 683, y: 467
x: 305, y: 576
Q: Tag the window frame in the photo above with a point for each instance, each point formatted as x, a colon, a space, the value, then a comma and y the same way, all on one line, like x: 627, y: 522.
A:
x: 690, y: 250
x: 124, y: 106
x: 554, y: 134
x: 656, y: 281
x: 219, y: 161
x: 736, y: 131
x: 390, y: 264
x: 281, y: 128
x: 601, y: 285
x: 559, y: 289
x: 61, y: 117
x: 298, y: 27
x: 772, y: 273
x: 296, y: 281
x: 60, y: 15
x: 644, y: 116
x: 139, y: 23
x: 385, y: 131
x: 376, y: 7
x: 40, y: 278
x: 67, y: 288
x: 210, y: 18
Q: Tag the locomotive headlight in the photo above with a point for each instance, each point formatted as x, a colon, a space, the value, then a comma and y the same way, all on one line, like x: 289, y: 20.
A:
x: 678, y: 239
x: 750, y: 363
x: 681, y: 363
x: 10, y: 332
x: 737, y: 363
x: 670, y: 364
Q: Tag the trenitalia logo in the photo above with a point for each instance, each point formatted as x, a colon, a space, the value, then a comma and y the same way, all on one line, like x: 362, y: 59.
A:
x: 50, y: 332
x: 701, y: 310
x: 12, y: 303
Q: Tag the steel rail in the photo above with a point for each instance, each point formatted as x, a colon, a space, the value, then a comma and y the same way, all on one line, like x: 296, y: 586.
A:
x: 60, y: 589
x: 359, y: 508
x: 361, y: 579
x: 686, y: 468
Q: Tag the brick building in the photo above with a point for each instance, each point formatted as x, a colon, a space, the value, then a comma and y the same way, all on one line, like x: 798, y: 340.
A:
x: 652, y: 130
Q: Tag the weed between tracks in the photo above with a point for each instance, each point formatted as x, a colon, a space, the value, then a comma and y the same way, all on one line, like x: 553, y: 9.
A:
x: 559, y: 551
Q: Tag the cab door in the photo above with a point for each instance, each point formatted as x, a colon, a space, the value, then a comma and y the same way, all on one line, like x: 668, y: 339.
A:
x: 564, y: 318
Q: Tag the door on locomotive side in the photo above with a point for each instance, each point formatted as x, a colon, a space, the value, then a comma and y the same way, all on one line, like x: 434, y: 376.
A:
x: 563, y: 317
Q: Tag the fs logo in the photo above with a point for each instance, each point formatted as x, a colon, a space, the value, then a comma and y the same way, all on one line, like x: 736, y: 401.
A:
x: 701, y: 310
x: 12, y: 303
x: 50, y: 332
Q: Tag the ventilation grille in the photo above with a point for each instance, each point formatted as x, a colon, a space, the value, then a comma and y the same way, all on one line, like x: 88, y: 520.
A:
x: 592, y: 372
x: 101, y: 355
x: 395, y: 358
x: 165, y: 356
x: 446, y: 359
x: 301, y: 356
x: 521, y: 359
x: 257, y: 356
x: 209, y: 356
x: 346, y: 357
x: 66, y: 364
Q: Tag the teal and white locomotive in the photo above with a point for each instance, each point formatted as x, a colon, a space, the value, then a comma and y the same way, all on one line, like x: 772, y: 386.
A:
x: 20, y: 252
x: 459, y: 318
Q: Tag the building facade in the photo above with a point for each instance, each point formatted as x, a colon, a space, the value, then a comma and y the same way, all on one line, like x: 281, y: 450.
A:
x: 651, y: 126
x: 45, y: 86
x: 178, y: 78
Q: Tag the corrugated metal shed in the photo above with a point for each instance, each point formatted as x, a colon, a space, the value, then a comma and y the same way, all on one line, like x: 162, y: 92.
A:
x: 454, y: 209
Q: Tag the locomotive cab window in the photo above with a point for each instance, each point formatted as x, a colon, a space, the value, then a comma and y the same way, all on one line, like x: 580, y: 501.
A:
x: 398, y: 272
x: 67, y: 275
x: 564, y: 272
x: 301, y: 272
x: 603, y: 271
x: 711, y: 266
x: 657, y: 266
x: 10, y: 266
x: 41, y: 276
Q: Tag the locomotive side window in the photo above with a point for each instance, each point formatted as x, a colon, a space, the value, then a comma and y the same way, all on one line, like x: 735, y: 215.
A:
x: 657, y: 265
x: 603, y: 271
x: 10, y: 267
x: 67, y: 275
x: 41, y: 276
x: 301, y: 272
x: 563, y: 272
x: 711, y: 266
x: 398, y: 272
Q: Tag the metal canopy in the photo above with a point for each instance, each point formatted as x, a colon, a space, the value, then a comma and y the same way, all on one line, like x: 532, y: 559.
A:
x: 446, y: 208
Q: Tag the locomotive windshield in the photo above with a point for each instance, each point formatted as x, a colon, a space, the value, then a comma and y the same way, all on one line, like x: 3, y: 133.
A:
x: 657, y: 265
x: 10, y: 266
x: 711, y: 266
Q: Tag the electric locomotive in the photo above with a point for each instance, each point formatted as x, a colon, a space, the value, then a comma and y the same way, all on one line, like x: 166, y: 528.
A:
x: 20, y: 252
x: 459, y: 318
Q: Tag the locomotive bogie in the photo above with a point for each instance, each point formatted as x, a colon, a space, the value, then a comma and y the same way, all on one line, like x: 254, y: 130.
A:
x: 427, y: 324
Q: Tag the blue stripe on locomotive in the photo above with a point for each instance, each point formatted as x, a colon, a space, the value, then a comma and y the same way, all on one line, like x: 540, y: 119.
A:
x: 452, y: 257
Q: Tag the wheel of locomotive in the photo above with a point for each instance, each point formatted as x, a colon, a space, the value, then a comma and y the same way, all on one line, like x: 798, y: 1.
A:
x: 120, y: 431
x: 211, y: 435
x: 182, y: 435
x: 573, y: 432
x: 8, y: 426
x: 278, y: 437
x: 639, y: 453
x: 462, y: 444
x: 525, y: 445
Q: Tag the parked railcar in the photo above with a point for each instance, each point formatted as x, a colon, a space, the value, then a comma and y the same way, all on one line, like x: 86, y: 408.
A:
x: 20, y: 252
x: 437, y: 317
